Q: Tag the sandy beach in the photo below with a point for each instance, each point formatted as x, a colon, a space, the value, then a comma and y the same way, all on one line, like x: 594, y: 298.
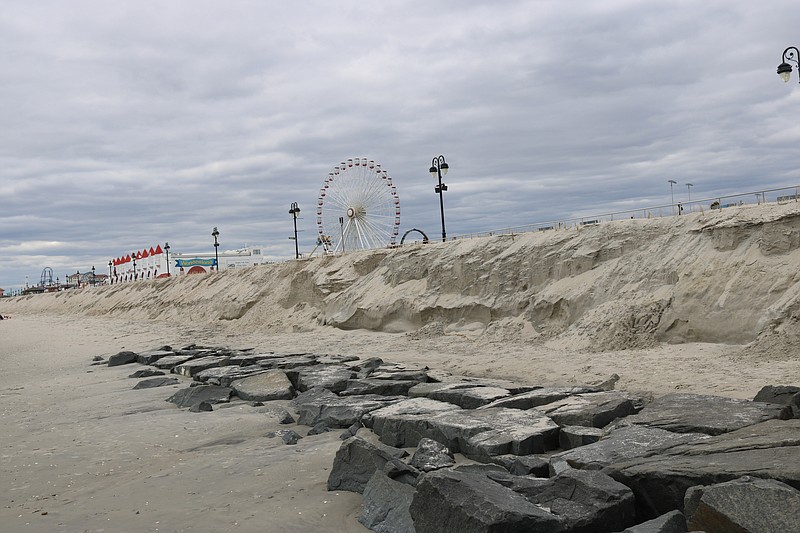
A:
x: 81, y: 451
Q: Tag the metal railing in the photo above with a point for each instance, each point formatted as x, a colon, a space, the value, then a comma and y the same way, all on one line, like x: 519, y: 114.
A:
x: 780, y: 195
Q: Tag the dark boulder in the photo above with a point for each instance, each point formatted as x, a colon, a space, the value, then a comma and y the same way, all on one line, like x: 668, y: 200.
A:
x: 263, y: 387
x: 766, y: 450
x: 291, y: 437
x: 541, y: 396
x: 587, y: 501
x: 431, y: 455
x: 331, y: 377
x: 318, y: 429
x: 356, y: 461
x: 782, y: 395
x: 593, y: 409
x: 459, y: 501
x: 383, y: 387
x: 122, y: 358
x: 151, y: 356
x: 385, y: 505
x: 672, y: 522
x: 321, y: 405
x: 576, y: 436
x: 146, y: 373
x: 202, y: 393
x: 200, y: 407
x: 744, y: 505
x: 712, y: 415
x: 155, y: 382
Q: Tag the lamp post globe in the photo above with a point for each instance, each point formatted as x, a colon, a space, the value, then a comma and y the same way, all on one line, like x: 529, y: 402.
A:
x: 790, y: 55
x: 439, y: 168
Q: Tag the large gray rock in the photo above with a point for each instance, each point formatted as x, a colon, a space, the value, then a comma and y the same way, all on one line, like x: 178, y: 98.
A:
x: 356, y: 461
x: 745, y: 505
x: 288, y: 362
x: 383, y: 387
x: 151, y: 356
x: 146, y: 373
x: 171, y: 361
x: 321, y: 405
x: 432, y: 455
x: 204, y: 393
x: 264, y: 387
x: 470, y: 397
x: 576, y: 436
x: 541, y: 396
x: 461, y: 501
x: 586, y: 501
x: 424, y: 390
x: 782, y: 395
x: 385, y: 506
x: 672, y: 522
x: 155, y: 382
x: 594, y: 409
x: 122, y: 358
x: 225, y: 375
x: 405, y: 422
x: 195, y: 366
x: 251, y: 358
x: 477, y: 434
x: 621, y: 444
x: 331, y: 377
x: 766, y: 450
x: 712, y: 415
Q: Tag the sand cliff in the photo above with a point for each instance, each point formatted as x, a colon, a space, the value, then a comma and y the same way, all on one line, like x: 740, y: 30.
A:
x: 725, y: 276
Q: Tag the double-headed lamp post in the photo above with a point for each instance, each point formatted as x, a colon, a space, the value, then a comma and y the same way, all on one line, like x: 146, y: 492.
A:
x: 215, y: 234
x: 110, y: 278
x: 785, y: 69
x: 294, y: 211
x: 94, y: 278
x: 134, y: 264
x: 438, y: 168
x: 166, y: 249
x: 672, y: 193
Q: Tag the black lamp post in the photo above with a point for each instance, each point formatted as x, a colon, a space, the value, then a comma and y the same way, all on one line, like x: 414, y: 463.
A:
x: 94, y: 278
x: 215, y: 234
x: 672, y: 194
x: 134, y: 265
x: 294, y: 211
x: 166, y: 249
x: 439, y: 167
x: 110, y: 278
x: 785, y: 69
x: 341, y: 226
x: 78, y: 278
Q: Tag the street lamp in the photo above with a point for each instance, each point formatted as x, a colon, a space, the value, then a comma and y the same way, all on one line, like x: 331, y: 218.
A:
x: 341, y: 226
x: 78, y: 278
x: 671, y: 183
x: 438, y: 167
x: 110, y: 278
x: 215, y: 234
x: 94, y: 279
x: 134, y: 265
x: 294, y: 211
x: 785, y: 69
x: 166, y: 249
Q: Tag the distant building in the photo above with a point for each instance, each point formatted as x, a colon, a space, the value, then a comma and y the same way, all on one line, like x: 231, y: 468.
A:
x: 152, y: 263
x: 2, y: 292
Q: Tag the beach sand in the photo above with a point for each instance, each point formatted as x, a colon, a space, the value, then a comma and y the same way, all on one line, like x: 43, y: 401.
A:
x: 82, y: 451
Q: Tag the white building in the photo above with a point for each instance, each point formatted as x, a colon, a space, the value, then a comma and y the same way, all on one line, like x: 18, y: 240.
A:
x: 152, y: 263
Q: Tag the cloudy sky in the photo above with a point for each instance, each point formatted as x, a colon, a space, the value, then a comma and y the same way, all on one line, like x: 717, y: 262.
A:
x: 127, y: 124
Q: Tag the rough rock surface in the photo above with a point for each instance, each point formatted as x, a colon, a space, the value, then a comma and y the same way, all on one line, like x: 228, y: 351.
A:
x: 576, y: 436
x: 451, y: 500
x: 356, y: 461
x: 748, y: 505
x: 386, y: 504
x: 431, y: 455
x: 155, y: 382
x: 331, y: 377
x: 195, y: 366
x: 712, y: 415
x: 672, y: 522
x: 405, y: 422
x: 782, y: 395
x: 204, y: 393
x: 766, y: 450
x: 122, y: 358
x: 225, y: 375
x: 263, y: 387
x: 540, y: 396
x: 594, y: 409
x: 321, y: 405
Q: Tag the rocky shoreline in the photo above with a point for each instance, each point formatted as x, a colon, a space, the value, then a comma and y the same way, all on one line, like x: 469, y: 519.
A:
x: 493, y: 455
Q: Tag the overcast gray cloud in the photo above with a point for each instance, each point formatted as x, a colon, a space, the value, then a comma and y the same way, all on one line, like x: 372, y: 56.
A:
x: 127, y: 124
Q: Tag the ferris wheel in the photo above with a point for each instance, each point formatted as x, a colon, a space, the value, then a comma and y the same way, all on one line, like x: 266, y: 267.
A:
x: 358, y: 207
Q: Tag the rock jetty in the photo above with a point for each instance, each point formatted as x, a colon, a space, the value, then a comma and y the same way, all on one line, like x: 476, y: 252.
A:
x: 433, y: 452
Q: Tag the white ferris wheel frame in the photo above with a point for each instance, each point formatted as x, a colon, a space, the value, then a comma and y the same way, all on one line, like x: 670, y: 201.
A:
x: 358, y: 207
